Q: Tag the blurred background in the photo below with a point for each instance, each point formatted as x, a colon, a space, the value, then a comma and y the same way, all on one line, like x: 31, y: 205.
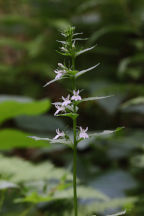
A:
x: 34, y: 175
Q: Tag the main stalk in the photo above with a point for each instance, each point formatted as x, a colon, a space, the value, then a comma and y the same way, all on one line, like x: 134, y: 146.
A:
x: 74, y: 149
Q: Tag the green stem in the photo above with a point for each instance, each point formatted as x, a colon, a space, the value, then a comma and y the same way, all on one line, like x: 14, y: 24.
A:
x: 75, y: 167
x: 74, y: 149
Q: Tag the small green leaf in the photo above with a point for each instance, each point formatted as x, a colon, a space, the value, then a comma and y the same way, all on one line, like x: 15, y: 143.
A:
x: 86, y: 70
x: 34, y: 197
x: 71, y: 115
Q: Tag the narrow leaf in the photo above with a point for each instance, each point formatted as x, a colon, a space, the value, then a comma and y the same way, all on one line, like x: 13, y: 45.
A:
x: 86, y: 70
x: 79, y: 33
x: 85, y: 50
x: 93, y: 98
x: 79, y: 39
x: 52, y: 81
x: 39, y: 138
x: 62, y: 141
x: 106, y: 132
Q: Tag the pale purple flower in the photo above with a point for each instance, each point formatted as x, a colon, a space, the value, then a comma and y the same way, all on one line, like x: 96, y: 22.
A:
x: 66, y: 101
x: 83, y: 133
x: 59, y: 73
x: 59, y: 134
x: 59, y: 107
x: 76, y: 96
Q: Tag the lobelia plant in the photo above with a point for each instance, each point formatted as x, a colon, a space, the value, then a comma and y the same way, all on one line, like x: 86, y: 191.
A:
x: 69, y: 106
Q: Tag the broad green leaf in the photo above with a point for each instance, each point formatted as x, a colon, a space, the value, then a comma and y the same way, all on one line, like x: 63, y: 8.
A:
x: 10, y: 138
x: 84, y: 50
x: 82, y: 192
x: 18, y: 170
x: 6, y: 185
x: 86, y: 70
x: 118, y: 214
x: 15, y: 107
x: 111, y: 204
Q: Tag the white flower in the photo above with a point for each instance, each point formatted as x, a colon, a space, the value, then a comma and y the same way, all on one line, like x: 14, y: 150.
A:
x: 76, y: 96
x: 59, y: 134
x: 66, y: 101
x: 59, y: 107
x: 83, y: 133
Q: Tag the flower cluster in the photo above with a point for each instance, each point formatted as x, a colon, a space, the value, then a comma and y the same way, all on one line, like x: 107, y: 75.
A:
x: 82, y: 134
x: 67, y: 103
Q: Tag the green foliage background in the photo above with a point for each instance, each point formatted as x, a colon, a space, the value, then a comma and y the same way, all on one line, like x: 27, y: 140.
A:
x: 113, y: 166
